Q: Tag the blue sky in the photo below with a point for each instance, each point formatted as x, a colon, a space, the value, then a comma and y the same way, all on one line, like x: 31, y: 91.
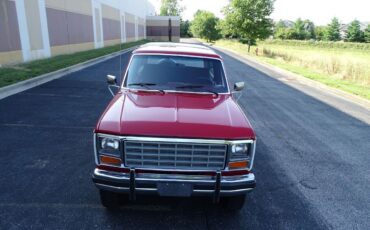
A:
x: 320, y: 11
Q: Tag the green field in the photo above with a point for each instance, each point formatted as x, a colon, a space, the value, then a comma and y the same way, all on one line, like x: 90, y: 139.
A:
x: 12, y: 74
x: 341, y: 65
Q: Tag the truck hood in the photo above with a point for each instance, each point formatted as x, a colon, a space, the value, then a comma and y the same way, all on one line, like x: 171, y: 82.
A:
x: 175, y: 115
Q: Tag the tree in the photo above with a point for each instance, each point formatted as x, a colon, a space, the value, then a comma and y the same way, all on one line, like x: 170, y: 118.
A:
x: 250, y: 18
x: 333, y: 30
x: 280, y: 30
x: 320, y: 32
x: 204, y: 25
x: 291, y: 33
x: 170, y: 8
x: 226, y: 30
x: 354, y: 33
x: 309, y: 28
x: 367, y: 33
x: 302, y: 30
x: 299, y: 29
x: 185, y: 29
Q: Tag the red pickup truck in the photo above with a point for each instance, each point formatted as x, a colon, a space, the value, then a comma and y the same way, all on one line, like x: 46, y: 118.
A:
x: 174, y: 129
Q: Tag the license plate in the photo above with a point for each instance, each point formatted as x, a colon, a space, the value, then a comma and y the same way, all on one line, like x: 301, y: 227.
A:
x: 175, y: 189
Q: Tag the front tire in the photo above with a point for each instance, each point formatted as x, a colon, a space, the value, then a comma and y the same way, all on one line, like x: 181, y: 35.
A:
x: 234, y: 203
x: 110, y: 200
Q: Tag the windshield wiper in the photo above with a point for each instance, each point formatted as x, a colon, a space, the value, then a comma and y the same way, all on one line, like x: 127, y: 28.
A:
x: 146, y: 85
x: 196, y: 87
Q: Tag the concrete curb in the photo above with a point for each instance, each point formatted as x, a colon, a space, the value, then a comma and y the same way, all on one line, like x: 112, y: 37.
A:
x: 286, y: 75
x: 39, y: 80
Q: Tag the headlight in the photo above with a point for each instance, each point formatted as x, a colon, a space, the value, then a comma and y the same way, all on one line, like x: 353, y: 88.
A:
x: 108, y: 143
x: 239, y: 151
x: 241, y: 154
x: 108, y: 146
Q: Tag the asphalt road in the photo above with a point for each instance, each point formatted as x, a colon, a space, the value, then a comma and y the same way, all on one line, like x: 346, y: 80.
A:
x: 312, y: 161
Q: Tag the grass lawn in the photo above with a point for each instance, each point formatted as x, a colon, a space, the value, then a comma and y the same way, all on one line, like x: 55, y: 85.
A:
x: 343, y: 66
x: 12, y: 74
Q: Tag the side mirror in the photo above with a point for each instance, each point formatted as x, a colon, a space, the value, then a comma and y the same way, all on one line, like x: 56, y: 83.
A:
x: 111, y: 80
x: 239, y: 86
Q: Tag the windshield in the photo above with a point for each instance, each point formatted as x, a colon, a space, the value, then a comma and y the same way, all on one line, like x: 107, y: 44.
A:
x: 165, y: 72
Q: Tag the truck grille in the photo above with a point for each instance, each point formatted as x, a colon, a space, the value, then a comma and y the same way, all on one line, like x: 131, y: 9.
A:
x: 169, y: 155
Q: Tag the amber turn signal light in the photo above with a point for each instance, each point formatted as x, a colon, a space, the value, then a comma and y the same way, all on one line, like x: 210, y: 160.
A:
x: 110, y: 160
x: 238, y: 164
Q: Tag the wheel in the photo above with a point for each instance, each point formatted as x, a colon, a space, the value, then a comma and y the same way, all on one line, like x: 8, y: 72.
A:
x: 109, y: 199
x: 233, y: 203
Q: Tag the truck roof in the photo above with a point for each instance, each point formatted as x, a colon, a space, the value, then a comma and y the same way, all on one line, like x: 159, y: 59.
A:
x: 186, y: 49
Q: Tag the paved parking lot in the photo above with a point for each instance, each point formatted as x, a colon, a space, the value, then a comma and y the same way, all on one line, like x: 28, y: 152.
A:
x: 312, y: 160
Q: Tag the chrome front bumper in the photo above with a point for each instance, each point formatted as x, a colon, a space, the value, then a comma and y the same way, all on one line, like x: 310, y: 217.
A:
x: 133, y: 183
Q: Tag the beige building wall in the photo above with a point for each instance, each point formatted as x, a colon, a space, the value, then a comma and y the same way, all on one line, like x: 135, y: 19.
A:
x: 162, y: 38
x: 110, y: 12
x: 162, y: 21
x: 97, y: 26
x: 34, y: 29
x: 76, y: 6
x: 10, y: 44
x: 70, y: 25
x: 73, y: 48
x: 141, y: 28
x: 10, y: 57
x: 34, y: 24
x: 130, y: 27
x: 158, y: 28
x: 111, y: 25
